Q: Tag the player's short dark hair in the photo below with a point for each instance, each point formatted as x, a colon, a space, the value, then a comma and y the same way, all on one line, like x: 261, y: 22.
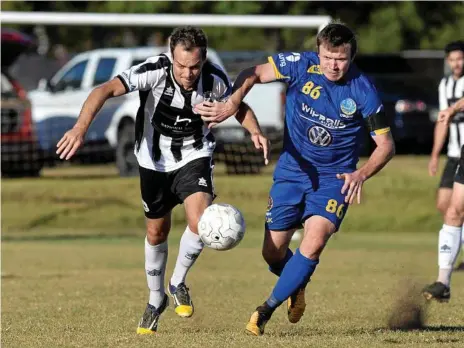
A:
x: 189, y: 37
x: 454, y: 46
x: 337, y: 34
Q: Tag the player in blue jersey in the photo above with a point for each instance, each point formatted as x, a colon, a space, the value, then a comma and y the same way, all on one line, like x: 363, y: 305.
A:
x: 328, y: 102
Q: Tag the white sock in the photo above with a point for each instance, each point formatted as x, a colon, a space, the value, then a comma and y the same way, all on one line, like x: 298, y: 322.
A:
x: 155, y: 268
x: 462, y: 243
x: 189, y: 250
x: 449, y: 243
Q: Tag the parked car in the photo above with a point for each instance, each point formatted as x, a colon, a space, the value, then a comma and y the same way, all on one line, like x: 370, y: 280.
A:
x: 411, y: 112
x: 407, y: 83
x: 56, y: 105
x: 21, y: 154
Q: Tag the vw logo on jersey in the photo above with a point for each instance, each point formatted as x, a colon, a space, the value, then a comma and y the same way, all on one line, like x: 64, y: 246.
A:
x: 348, y: 106
x: 319, y: 136
x: 294, y: 57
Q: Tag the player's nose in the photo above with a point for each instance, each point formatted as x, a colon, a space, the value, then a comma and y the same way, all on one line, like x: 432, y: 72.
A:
x: 333, y: 65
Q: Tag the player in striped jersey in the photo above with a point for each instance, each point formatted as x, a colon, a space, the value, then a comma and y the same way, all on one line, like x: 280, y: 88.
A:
x: 451, y: 88
x: 174, y: 150
x: 450, y: 236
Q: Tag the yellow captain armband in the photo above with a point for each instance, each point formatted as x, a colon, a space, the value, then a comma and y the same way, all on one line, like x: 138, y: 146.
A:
x: 377, y: 123
x: 380, y: 131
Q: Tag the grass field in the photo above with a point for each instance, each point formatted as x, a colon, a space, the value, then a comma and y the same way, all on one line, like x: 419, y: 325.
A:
x: 72, y: 268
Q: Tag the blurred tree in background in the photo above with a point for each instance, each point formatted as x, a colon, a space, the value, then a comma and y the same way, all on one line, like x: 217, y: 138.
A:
x: 381, y: 26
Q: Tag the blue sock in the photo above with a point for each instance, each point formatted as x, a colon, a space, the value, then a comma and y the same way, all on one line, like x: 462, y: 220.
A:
x: 295, y: 275
x: 278, y: 267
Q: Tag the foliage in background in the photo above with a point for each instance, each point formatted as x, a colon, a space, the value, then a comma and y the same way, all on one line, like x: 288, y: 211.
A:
x: 382, y: 26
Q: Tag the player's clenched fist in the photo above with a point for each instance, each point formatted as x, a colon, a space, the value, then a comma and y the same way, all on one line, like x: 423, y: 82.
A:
x: 70, y: 142
x: 353, y: 185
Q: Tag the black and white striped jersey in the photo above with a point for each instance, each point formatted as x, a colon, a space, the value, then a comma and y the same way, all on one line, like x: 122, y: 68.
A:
x: 449, y: 91
x: 168, y: 133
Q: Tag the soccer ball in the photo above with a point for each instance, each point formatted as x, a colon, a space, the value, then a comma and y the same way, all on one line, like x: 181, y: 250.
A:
x: 221, y: 227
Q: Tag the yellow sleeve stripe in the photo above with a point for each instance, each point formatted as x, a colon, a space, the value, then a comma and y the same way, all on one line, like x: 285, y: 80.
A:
x: 277, y: 73
x: 381, y: 131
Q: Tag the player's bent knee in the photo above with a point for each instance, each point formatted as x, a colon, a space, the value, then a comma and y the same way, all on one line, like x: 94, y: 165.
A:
x: 193, y: 218
x: 318, y: 231
x: 442, y: 207
x: 156, y: 237
x: 313, y: 249
x: 275, y: 246
x: 158, y: 230
x: 273, y: 255
x: 454, y: 215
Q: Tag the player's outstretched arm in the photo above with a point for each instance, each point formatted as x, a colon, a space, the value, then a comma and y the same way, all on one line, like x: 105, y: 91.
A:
x: 247, y: 118
x: 383, y: 153
x: 74, y: 138
x: 262, y: 73
x: 245, y: 81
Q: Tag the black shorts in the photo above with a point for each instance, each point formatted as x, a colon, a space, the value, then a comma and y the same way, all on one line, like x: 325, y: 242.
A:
x: 162, y: 191
x: 447, y: 178
x: 459, y: 177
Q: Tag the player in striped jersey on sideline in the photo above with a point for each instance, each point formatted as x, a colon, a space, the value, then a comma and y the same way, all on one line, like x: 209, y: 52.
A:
x: 451, y: 88
x: 450, y: 235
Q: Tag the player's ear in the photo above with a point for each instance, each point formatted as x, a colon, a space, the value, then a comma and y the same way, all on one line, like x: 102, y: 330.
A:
x: 352, y: 58
x: 204, y: 54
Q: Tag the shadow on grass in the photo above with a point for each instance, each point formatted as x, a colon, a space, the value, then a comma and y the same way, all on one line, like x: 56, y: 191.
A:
x: 441, y: 328
x: 303, y: 332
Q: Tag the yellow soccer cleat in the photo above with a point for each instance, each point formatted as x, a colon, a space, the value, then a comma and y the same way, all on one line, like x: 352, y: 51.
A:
x: 296, y: 306
x: 183, y: 305
x: 258, y: 321
x: 149, y: 322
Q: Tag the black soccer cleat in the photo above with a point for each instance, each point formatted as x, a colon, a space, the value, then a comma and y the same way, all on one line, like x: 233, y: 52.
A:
x: 437, y: 291
x: 149, y: 322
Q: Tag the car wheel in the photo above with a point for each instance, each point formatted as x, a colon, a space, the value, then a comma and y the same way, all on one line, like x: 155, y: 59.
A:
x: 125, y: 158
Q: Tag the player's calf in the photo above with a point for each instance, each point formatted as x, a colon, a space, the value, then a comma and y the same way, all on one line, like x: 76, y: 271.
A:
x: 318, y: 232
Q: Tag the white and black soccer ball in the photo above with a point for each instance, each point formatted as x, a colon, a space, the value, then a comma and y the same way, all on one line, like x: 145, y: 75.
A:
x: 221, y: 226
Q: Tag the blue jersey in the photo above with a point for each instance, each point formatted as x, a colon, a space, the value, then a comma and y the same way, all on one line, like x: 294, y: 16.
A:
x: 323, y: 119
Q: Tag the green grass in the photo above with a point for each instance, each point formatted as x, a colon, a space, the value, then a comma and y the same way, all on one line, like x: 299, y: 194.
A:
x: 91, y: 293
x: 95, y: 201
x: 72, y: 267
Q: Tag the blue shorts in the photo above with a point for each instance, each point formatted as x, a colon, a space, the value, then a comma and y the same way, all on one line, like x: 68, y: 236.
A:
x: 298, y: 194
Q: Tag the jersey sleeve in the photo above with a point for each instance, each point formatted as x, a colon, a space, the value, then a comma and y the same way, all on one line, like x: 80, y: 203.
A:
x: 144, y: 76
x: 442, y: 100
x: 285, y: 66
x: 373, y: 113
x: 222, y: 86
